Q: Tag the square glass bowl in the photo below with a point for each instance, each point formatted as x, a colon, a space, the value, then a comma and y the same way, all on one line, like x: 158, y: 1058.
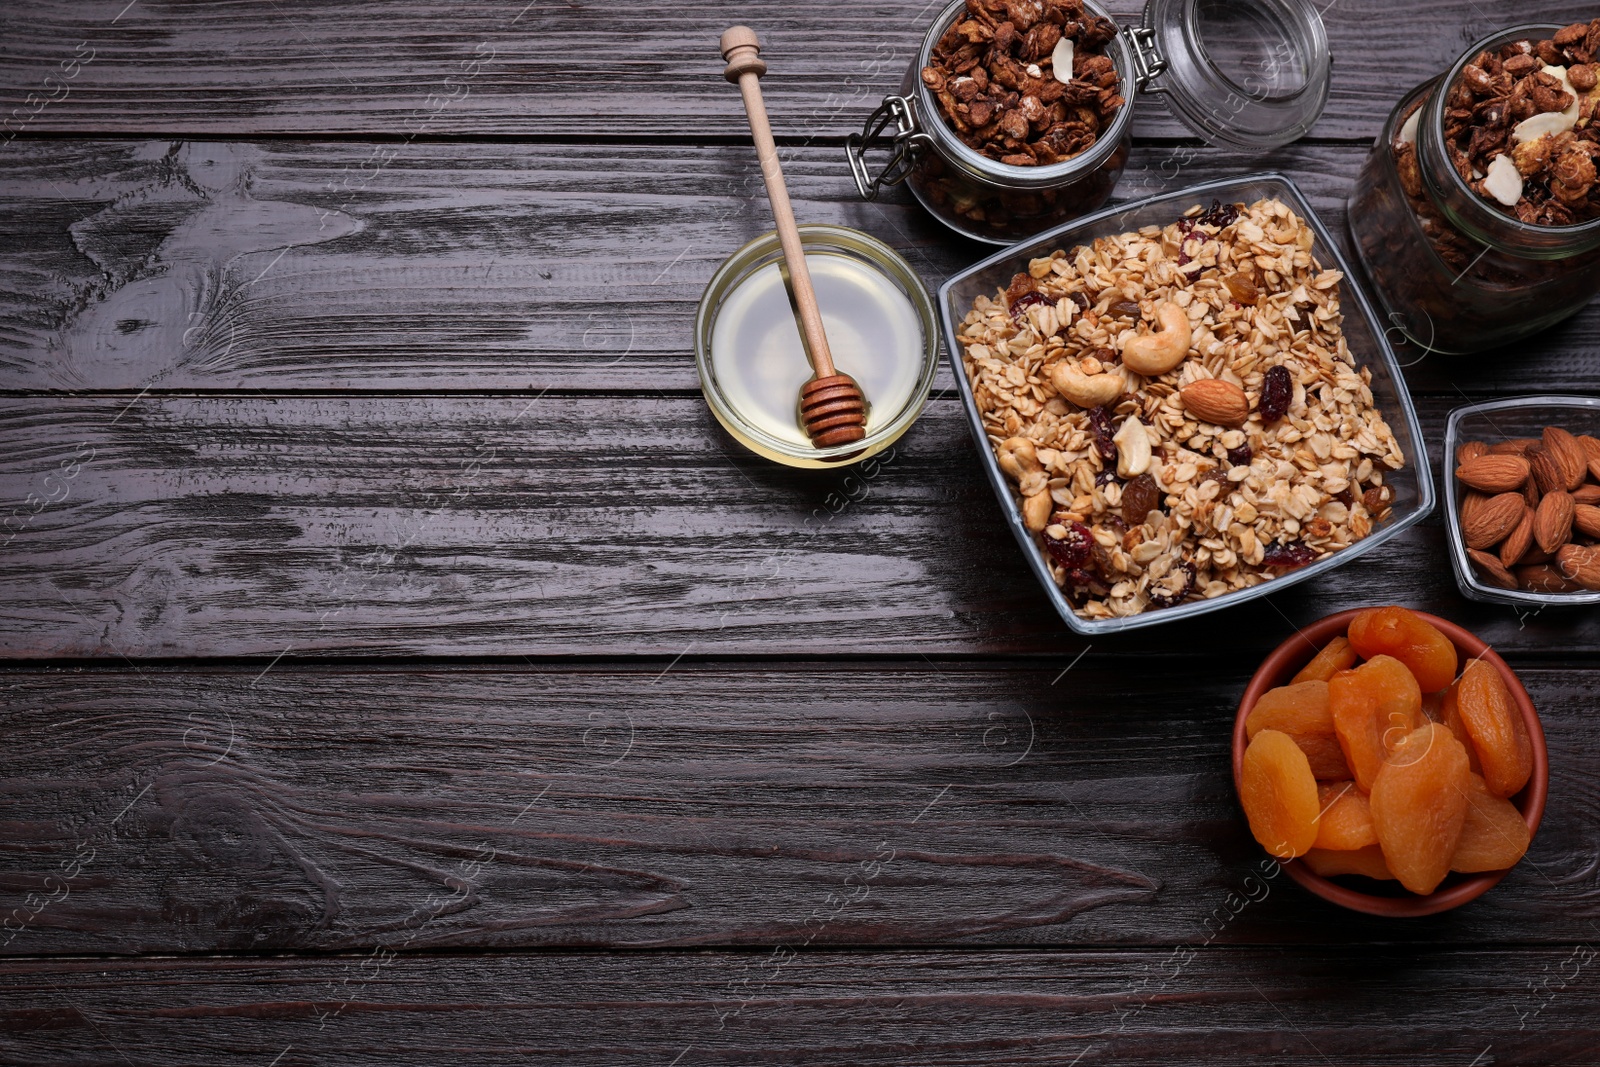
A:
x: 1413, y: 486
x: 1498, y: 420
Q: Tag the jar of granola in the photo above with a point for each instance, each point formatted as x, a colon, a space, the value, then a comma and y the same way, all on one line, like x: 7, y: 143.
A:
x: 1016, y: 115
x: 1477, y: 214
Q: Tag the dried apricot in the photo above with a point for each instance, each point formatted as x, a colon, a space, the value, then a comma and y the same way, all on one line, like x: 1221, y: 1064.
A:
x: 1409, y: 638
x: 1278, y: 794
x: 1346, y: 820
x: 1419, y: 804
x: 1494, y: 723
x: 1365, y: 861
x: 1450, y: 715
x: 1495, y: 835
x: 1337, y: 656
x: 1301, y: 711
x: 1373, y: 707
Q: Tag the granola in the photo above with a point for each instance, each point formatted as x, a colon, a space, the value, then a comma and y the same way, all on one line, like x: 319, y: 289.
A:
x: 1026, y: 82
x: 1520, y: 128
x: 1138, y: 501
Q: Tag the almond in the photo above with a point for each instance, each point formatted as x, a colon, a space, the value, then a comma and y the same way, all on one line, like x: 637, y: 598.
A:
x: 1543, y: 578
x: 1517, y: 542
x: 1470, y: 450
x: 1590, y: 446
x: 1594, y: 469
x: 1470, y: 505
x: 1535, y: 556
x: 1494, y: 473
x: 1569, y: 453
x: 1491, y: 569
x: 1530, y: 492
x: 1545, y: 466
x: 1586, y: 520
x: 1587, y: 494
x: 1493, y: 520
x: 1552, y: 523
x: 1216, y: 401
x: 1515, y: 447
x: 1581, y: 564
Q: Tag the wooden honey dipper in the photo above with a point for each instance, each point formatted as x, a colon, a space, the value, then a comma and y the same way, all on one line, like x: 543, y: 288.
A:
x: 832, y: 409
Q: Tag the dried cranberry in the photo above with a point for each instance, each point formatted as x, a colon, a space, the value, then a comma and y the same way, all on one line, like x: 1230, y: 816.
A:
x: 1139, y: 498
x: 1026, y: 301
x: 1101, y: 426
x: 1082, y: 300
x: 1241, y: 456
x: 1290, y: 555
x: 1072, y: 551
x: 1161, y: 599
x: 1276, y: 392
x: 1105, y: 477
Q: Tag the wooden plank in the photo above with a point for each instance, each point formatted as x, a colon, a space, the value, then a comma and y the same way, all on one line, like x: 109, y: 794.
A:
x: 630, y: 805
x: 1156, y: 1007
x: 597, y: 525
x: 506, y: 69
x: 205, y: 265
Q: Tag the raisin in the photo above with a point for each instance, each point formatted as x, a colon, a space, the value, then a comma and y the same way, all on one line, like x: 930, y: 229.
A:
x: 1241, y: 456
x: 1219, y: 215
x: 1409, y: 638
x: 1127, y: 309
x: 1279, y: 794
x: 1419, y: 806
x: 1161, y: 598
x: 1027, y: 300
x: 1074, y: 549
x: 1243, y: 289
x: 1021, y: 284
x: 1104, y: 429
x: 1337, y: 656
x: 1139, y: 498
x: 1290, y: 555
x: 1277, y: 390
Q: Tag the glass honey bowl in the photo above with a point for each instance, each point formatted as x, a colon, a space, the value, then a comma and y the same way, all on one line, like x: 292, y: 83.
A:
x: 881, y: 327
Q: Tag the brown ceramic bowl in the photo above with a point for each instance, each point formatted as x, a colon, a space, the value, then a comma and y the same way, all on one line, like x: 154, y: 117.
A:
x: 1390, y: 898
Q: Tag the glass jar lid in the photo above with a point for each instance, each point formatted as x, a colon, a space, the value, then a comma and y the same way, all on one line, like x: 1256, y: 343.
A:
x: 1247, y: 74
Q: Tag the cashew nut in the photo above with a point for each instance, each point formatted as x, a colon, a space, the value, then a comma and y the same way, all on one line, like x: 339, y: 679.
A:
x: 1133, y: 448
x: 1020, y: 461
x: 1154, y: 354
x: 1085, y: 390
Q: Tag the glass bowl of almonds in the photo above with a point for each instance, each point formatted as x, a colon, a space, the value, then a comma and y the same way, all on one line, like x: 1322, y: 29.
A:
x: 1523, y: 500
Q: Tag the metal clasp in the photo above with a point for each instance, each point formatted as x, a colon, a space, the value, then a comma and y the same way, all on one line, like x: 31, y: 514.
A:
x: 1148, y: 62
x: 907, y: 139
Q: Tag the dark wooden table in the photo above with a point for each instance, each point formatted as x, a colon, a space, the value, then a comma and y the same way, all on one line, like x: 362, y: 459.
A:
x: 405, y: 668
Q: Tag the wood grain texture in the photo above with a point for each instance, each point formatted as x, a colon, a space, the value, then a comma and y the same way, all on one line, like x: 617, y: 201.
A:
x: 631, y: 805
x: 207, y: 265
x: 1339, y: 1004
x: 506, y: 69
x: 559, y: 524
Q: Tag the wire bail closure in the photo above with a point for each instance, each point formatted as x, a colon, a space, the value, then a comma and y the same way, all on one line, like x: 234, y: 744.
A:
x: 1148, y: 62
x: 908, y: 138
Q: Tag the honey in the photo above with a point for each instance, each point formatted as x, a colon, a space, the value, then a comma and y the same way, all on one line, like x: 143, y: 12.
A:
x: 881, y: 328
x: 872, y: 328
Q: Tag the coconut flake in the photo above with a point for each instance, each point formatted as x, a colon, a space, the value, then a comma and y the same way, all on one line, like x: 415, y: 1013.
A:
x: 1034, y: 71
x: 1503, y: 181
x: 1560, y: 75
x: 1531, y: 129
x: 1408, y: 130
x: 1061, y: 60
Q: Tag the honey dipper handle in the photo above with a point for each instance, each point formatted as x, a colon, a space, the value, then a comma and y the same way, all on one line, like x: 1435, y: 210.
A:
x: 742, y: 51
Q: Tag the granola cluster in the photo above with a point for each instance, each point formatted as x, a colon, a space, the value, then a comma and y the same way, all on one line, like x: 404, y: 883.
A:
x: 1026, y: 82
x: 1139, y: 501
x: 1520, y: 128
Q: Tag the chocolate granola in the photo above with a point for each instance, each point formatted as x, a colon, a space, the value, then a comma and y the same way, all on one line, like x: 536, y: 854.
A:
x: 1520, y: 128
x: 1026, y: 82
